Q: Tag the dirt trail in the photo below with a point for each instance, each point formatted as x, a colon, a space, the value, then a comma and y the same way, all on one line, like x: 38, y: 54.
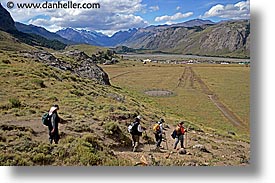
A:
x: 220, y: 149
x: 149, y: 152
x: 217, y: 150
x: 187, y: 80
x: 121, y: 74
x: 41, y: 131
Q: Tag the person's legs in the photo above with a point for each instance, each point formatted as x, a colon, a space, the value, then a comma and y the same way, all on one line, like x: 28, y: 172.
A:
x: 176, y: 142
x: 136, y: 142
x: 159, y: 140
x: 56, y: 137
x: 181, y: 143
x: 133, y: 141
x: 50, y: 134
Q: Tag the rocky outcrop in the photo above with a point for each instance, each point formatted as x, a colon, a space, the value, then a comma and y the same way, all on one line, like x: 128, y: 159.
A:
x: 6, y: 21
x: 83, y: 66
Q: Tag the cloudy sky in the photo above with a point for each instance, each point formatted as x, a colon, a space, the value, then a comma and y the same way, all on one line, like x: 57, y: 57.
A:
x: 115, y: 15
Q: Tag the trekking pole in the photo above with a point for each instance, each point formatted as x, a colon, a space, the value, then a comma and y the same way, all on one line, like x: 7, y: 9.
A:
x: 166, y: 141
x: 185, y: 142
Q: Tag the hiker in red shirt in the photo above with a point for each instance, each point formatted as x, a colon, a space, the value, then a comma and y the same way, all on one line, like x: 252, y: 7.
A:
x: 179, y: 135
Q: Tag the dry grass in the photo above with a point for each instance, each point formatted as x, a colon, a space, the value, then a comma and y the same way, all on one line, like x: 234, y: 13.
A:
x: 189, y: 102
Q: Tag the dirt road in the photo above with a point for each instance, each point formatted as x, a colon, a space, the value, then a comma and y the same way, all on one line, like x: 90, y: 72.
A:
x: 187, y: 80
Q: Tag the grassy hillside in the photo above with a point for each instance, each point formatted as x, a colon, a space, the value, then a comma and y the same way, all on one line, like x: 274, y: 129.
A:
x: 28, y: 89
x: 95, y: 117
x: 10, y: 43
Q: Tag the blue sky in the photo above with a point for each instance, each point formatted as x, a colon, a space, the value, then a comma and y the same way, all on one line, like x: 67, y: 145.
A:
x: 115, y: 15
x: 197, y: 7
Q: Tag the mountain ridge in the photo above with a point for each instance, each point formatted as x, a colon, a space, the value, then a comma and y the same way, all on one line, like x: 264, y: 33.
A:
x: 41, y: 31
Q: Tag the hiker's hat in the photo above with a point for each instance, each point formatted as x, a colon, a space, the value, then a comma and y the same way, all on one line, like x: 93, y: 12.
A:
x: 139, y: 117
x: 53, y: 108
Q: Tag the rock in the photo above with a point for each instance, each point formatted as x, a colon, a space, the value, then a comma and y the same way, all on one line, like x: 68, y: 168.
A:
x: 182, y: 151
x: 231, y: 133
x: 202, y: 148
x: 85, y: 67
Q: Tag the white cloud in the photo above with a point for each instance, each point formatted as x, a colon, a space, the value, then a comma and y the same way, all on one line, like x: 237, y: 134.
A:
x: 240, y: 10
x: 111, y: 16
x: 178, y: 8
x: 154, y: 8
x: 176, y: 16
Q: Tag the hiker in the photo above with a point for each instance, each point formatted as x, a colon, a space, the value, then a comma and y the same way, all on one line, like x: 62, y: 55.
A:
x: 53, y: 126
x: 136, y: 132
x: 179, y: 135
x: 158, y: 131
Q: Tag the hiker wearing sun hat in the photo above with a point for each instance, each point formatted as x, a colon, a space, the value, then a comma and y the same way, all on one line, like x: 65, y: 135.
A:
x: 53, y: 126
x: 136, y: 132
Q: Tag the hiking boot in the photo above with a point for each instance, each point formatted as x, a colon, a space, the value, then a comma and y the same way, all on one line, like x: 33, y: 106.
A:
x: 51, y: 141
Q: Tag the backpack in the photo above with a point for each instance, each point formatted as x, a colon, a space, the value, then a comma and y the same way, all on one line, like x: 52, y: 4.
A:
x: 174, y: 134
x: 130, y: 128
x: 133, y: 128
x: 156, y: 128
x: 46, y: 119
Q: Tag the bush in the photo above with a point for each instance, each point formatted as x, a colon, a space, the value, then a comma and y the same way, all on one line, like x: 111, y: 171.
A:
x: 113, y: 131
x: 15, y: 103
x: 42, y: 159
x: 39, y: 83
x: 6, y: 61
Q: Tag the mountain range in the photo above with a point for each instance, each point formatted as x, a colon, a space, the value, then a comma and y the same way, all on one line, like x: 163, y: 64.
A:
x: 197, y: 37
x: 7, y: 25
x: 41, y: 31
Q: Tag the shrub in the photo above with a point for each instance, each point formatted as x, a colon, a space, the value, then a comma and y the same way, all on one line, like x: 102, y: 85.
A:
x: 94, y: 141
x: 113, y: 131
x: 6, y: 61
x: 42, y: 159
x: 15, y: 102
x: 39, y: 83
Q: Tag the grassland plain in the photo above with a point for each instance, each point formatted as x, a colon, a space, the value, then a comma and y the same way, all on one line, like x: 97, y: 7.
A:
x: 93, y: 132
x: 230, y: 83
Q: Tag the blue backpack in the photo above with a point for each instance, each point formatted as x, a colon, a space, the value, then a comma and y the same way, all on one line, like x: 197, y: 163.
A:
x: 174, y: 134
x: 46, y: 119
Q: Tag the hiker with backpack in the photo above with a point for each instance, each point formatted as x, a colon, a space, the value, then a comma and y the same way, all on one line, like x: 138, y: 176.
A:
x: 136, y: 131
x: 53, y: 124
x: 178, y: 134
x: 158, y: 131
